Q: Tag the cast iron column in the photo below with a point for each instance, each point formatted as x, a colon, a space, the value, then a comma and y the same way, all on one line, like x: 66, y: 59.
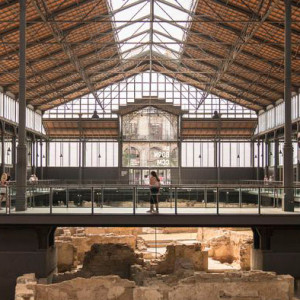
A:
x: 22, y: 147
x: 41, y: 158
x: 33, y: 156
x: 179, y: 151
x: 14, y: 154
x: 276, y: 157
x: 252, y: 154
x: 2, y: 148
x: 258, y: 161
x: 267, y: 155
x: 298, y: 162
x: 288, y: 203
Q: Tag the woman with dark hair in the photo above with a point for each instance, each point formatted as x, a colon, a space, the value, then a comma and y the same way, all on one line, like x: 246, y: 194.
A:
x: 3, y: 188
x: 154, y: 185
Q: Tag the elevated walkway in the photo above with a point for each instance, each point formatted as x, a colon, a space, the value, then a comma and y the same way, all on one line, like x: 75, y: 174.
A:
x: 248, y: 203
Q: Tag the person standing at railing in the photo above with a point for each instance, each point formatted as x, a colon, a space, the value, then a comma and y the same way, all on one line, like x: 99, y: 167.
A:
x: 3, y: 189
x: 154, y: 185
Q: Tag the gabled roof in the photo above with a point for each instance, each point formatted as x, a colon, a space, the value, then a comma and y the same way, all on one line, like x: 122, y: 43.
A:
x: 214, y: 128
x: 230, y: 48
x: 139, y: 104
x: 87, y: 128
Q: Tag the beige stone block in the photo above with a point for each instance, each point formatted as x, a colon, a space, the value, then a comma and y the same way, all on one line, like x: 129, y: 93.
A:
x: 95, y: 288
x: 183, y: 257
x: 147, y: 293
x: 66, y: 256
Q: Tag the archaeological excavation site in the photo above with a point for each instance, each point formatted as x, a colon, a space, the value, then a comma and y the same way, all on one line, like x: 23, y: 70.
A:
x: 149, y: 149
x: 155, y: 263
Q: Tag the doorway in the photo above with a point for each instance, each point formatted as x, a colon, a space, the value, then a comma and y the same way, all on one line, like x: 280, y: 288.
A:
x: 141, y: 176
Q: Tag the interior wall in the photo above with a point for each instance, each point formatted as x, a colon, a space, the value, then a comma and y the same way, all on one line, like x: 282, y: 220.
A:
x: 196, y: 175
x: 188, y: 175
x: 109, y: 175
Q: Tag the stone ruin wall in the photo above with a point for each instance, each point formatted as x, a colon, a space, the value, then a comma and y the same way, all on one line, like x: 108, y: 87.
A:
x: 228, y: 245
x: 199, y: 286
x: 179, y: 274
x: 223, y: 244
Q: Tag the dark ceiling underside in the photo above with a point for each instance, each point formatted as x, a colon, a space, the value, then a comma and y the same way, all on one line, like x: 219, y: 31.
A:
x: 231, y: 50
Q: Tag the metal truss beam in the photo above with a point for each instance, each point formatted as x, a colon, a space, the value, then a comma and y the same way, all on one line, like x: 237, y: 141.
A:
x: 126, y: 6
x: 89, y: 39
x: 145, y: 61
x: 47, y: 103
x: 222, y: 90
x: 244, y: 52
x: 295, y: 3
x: 65, y: 85
x: 49, y: 38
x: 249, y: 14
x: 55, y: 67
x: 92, y: 65
x: 8, y: 3
x: 54, y: 13
x: 236, y: 86
x: 238, y: 32
x: 227, y: 47
x: 218, y: 92
x: 253, y: 102
x: 46, y: 16
x: 89, y: 66
x: 247, y: 33
x: 215, y: 55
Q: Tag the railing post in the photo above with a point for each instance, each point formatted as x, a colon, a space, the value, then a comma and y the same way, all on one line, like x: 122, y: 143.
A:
x: 240, y: 197
x: 92, y: 199
x: 51, y: 200
x: 67, y: 197
x: 102, y: 197
x: 134, y: 199
x: 7, y: 199
x: 176, y: 198
x: 217, y: 200
x: 205, y: 197
x: 259, y: 201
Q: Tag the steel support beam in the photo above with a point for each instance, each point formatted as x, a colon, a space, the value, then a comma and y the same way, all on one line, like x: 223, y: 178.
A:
x: 41, y: 159
x: 22, y: 147
x: 276, y: 156
x: 258, y: 160
x: 288, y: 202
x: 2, y: 147
x: 45, y: 15
x: 14, y: 153
x: 267, y: 155
x: 298, y: 158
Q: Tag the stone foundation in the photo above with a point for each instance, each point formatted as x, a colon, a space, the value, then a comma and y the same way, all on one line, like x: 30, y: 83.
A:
x: 228, y: 246
x: 104, y: 259
x: 66, y: 256
x: 81, y: 239
x: 183, y: 257
x: 256, y: 285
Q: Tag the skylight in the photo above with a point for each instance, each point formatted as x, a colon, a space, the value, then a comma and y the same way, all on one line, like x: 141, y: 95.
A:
x: 138, y: 31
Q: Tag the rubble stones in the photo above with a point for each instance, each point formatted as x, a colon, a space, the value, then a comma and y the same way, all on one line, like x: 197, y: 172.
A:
x: 228, y: 246
x: 66, y: 256
x: 83, y: 238
x: 254, y: 285
x: 183, y: 257
x: 25, y: 288
x: 107, y: 259
x: 95, y: 288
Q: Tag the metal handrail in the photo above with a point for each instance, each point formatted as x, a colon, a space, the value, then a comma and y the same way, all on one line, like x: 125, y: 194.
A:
x: 175, y: 189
